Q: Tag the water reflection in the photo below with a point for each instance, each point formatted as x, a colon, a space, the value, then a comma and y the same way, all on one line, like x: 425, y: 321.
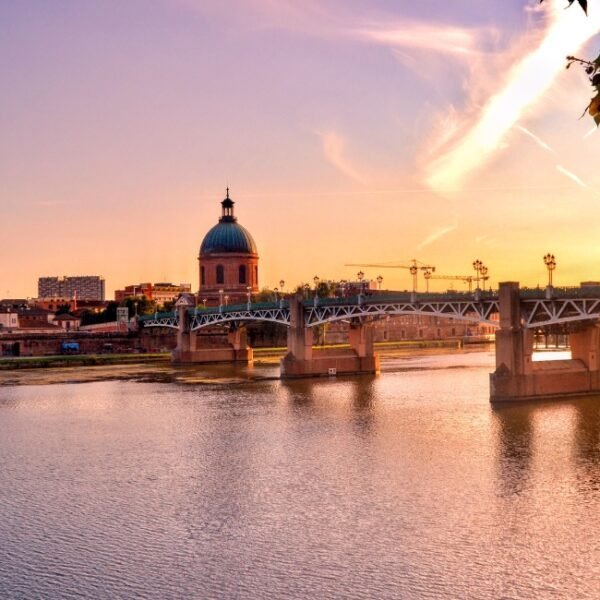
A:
x: 407, y: 485
x: 514, y: 437
x: 586, y: 447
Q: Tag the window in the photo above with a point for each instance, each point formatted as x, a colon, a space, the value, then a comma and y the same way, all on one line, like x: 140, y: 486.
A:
x: 202, y: 276
x: 220, y: 274
x: 242, y: 278
x: 255, y: 275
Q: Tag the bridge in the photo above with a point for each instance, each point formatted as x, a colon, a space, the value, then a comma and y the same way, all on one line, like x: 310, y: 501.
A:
x: 519, y: 314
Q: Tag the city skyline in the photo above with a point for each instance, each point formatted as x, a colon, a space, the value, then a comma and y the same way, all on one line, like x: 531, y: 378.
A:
x: 348, y: 132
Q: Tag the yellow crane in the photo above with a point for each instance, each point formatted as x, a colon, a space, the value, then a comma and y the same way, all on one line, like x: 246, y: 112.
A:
x: 466, y: 278
x: 413, y: 268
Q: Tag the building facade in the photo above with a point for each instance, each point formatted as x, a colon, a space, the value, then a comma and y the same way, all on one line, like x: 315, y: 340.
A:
x: 228, y: 261
x: 159, y: 292
x: 84, y: 287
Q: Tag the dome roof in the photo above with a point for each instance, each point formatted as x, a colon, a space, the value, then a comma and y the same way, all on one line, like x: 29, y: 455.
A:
x: 228, y: 235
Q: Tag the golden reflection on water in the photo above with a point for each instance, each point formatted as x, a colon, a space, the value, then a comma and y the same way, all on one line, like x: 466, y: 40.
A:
x: 406, y: 485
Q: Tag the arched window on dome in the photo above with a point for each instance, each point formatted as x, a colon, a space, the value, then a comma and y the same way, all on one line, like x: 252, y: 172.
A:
x: 242, y: 277
x: 202, y: 276
x: 220, y: 274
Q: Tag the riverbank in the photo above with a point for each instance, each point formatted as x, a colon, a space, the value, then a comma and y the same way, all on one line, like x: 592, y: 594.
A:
x: 158, y: 368
x: 79, y: 360
x: 261, y: 356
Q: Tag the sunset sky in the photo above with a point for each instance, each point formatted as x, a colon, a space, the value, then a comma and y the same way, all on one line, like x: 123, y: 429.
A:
x: 347, y: 130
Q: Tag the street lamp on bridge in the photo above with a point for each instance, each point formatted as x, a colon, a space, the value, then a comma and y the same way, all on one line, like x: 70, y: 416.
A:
x: 281, y: 285
x: 477, y: 265
x: 360, y: 276
x: 484, y: 275
x: 221, y: 292
x: 550, y: 262
x: 427, y: 274
x: 249, y: 295
x: 379, y: 281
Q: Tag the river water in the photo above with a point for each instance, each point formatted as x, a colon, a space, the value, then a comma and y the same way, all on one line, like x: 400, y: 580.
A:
x: 405, y: 485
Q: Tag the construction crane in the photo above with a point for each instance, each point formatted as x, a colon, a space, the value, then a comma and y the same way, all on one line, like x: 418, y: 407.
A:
x: 466, y: 278
x: 413, y: 268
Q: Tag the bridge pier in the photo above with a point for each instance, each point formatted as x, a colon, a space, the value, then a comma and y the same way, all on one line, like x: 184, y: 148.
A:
x: 304, y: 360
x: 190, y: 348
x: 517, y: 377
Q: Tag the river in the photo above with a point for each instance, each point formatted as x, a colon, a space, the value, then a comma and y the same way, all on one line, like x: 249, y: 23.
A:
x: 230, y: 483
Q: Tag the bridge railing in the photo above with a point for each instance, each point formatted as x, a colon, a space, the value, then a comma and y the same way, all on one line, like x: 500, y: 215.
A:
x: 390, y: 297
x: 537, y: 293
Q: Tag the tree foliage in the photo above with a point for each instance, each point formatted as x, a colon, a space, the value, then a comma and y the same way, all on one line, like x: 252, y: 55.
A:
x: 582, y: 3
x: 592, y: 68
x: 63, y: 309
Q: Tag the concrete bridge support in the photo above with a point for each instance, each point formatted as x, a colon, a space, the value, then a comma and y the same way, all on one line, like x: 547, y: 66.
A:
x: 304, y: 360
x: 517, y: 377
x: 193, y: 348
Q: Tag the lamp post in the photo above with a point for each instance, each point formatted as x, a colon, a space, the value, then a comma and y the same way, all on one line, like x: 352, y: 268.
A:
x: 281, y: 285
x: 379, y: 282
x: 203, y: 302
x: 360, y: 276
x: 427, y: 274
x: 484, y: 275
x: 414, y: 272
x: 306, y: 290
x: 276, y: 290
x: 226, y: 299
x: 249, y: 295
x: 550, y: 262
x: 477, y: 264
x: 344, y: 286
x: 221, y: 292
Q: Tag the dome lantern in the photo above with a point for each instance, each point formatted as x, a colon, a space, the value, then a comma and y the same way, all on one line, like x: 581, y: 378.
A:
x: 227, y: 210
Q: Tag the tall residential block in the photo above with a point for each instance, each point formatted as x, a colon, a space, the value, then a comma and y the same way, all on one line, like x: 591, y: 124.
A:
x: 84, y: 287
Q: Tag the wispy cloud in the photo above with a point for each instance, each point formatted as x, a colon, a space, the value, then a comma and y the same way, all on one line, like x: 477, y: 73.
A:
x: 334, y: 151
x: 420, y: 35
x: 523, y: 87
x: 435, y: 235
x: 572, y: 176
x: 535, y: 138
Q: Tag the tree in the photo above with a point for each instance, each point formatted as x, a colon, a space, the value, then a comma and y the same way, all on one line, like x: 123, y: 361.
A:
x: 63, y: 309
x: 139, y: 305
x: 582, y: 3
x: 592, y: 68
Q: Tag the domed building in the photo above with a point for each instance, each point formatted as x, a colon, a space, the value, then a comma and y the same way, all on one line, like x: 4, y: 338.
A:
x: 228, y: 261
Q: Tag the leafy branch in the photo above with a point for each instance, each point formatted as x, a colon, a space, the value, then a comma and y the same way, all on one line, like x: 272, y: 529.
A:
x: 592, y: 68
x: 582, y: 3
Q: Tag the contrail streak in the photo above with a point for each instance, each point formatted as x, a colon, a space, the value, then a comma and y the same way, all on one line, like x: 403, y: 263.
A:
x: 527, y: 83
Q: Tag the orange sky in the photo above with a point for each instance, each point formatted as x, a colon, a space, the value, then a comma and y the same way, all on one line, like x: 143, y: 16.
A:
x: 356, y: 132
